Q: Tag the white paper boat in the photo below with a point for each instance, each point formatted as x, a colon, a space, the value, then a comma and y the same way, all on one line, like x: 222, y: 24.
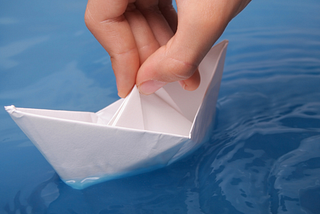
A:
x: 130, y: 136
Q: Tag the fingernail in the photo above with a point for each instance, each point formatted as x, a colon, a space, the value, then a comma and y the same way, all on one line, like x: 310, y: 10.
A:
x: 151, y: 86
x: 183, y: 84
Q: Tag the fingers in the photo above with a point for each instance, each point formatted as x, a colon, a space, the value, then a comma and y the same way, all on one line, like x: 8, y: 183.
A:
x: 200, y: 24
x: 105, y: 19
x: 128, y: 35
x: 157, y: 22
x: 145, y: 41
x: 169, y: 14
x: 133, y: 33
x: 191, y: 83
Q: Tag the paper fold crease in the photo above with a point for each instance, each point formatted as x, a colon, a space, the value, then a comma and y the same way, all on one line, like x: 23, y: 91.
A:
x: 130, y: 136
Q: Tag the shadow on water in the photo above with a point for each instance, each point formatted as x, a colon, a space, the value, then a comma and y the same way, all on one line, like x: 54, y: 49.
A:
x: 39, y: 199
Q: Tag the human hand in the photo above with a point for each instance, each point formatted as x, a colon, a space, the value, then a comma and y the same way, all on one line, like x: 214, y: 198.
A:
x: 147, y: 44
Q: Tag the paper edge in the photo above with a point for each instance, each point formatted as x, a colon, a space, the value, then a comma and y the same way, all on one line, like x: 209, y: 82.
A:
x: 21, y: 113
x: 223, y: 43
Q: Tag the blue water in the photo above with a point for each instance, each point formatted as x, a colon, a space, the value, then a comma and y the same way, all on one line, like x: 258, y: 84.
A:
x: 264, y: 153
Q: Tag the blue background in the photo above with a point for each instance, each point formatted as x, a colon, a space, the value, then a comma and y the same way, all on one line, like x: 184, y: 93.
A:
x: 264, y: 153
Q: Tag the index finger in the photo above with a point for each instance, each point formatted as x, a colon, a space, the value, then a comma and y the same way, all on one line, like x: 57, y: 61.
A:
x: 105, y: 20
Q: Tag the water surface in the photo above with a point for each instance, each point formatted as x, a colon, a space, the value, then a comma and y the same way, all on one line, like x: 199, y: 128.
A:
x: 264, y: 153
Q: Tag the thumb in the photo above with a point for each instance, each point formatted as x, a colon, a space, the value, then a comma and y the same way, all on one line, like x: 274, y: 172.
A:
x: 200, y: 24
x: 167, y: 65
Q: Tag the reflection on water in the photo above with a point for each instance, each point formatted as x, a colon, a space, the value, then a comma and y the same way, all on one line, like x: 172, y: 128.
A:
x: 265, y: 148
x: 13, y: 49
x: 37, y: 201
x: 68, y: 87
x: 264, y: 154
x: 295, y: 178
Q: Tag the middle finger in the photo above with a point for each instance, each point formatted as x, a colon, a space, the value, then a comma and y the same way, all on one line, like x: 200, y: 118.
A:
x: 145, y: 40
x: 157, y: 22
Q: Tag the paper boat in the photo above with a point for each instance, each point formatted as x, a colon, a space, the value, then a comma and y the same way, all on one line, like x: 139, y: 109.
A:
x: 130, y: 136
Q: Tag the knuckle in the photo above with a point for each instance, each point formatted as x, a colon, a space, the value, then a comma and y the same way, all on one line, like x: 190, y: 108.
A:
x: 89, y: 20
x: 181, y: 69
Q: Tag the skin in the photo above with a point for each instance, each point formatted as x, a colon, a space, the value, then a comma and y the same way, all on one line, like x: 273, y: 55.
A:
x: 151, y: 45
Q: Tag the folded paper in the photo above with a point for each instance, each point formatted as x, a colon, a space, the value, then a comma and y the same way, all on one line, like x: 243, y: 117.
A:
x: 130, y: 136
